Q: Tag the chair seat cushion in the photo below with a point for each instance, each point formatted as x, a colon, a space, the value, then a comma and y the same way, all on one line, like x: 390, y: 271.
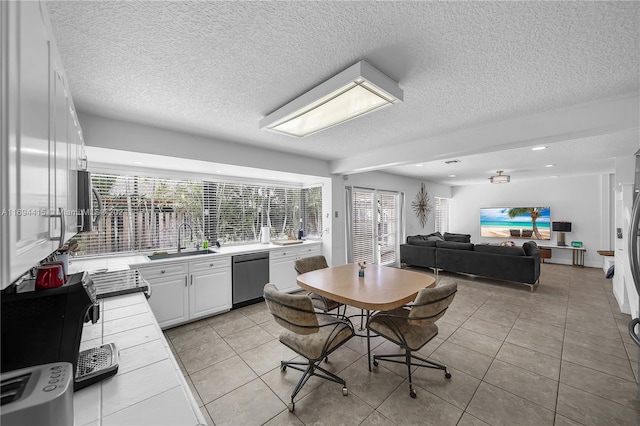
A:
x: 322, y: 303
x: 312, y: 346
x: 397, y: 329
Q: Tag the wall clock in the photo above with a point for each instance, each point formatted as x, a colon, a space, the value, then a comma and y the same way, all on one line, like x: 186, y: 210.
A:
x: 421, y: 205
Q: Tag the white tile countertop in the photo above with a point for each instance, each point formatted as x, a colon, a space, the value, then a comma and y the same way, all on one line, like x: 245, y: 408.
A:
x: 120, y: 262
x: 149, y: 388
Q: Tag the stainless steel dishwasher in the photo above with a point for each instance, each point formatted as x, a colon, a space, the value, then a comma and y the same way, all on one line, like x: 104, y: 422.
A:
x: 250, y: 275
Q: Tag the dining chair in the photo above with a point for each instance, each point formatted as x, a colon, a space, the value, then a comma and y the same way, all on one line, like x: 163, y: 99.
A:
x: 311, y: 334
x: 314, y: 263
x: 413, y: 326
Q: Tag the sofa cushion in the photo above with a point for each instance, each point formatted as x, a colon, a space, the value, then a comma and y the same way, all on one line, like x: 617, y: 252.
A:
x: 530, y: 247
x: 459, y: 238
x: 509, y: 251
x: 420, y: 242
x: 454, y: 245
x: 413, y: 239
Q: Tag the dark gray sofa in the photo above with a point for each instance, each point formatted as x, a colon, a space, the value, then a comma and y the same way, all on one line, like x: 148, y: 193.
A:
x: 454, y: 253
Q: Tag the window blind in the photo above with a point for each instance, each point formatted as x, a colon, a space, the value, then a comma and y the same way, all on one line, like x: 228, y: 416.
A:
x: 387, y: 227
x: 442, y: 214
x: 362, y: 226
x: 144, y: 213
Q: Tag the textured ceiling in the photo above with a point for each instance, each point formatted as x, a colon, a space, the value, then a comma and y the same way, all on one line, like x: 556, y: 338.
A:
x: 217, y: 68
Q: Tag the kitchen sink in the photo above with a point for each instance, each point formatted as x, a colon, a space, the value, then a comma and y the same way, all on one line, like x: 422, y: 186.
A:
x: 160, y: 256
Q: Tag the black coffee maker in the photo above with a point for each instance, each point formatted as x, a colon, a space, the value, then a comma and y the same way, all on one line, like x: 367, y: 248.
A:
x: 45, y: 326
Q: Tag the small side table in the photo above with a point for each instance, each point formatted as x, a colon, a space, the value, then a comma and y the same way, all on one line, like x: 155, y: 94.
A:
x: 577, y: 253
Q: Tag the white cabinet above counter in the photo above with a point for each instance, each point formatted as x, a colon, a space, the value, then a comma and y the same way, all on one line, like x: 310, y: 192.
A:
x: 41, y: 142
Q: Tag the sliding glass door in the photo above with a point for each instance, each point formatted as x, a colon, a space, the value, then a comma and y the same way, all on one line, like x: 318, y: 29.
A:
x: 374, y: 226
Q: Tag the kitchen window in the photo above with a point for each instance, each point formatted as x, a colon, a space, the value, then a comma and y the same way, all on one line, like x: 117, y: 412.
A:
x: 142, y: 213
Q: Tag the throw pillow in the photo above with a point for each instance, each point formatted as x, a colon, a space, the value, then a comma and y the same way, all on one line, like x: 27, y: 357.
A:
x: 459, y: 238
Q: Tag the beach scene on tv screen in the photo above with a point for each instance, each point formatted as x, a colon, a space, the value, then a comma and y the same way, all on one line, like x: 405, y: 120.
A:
x: 532, y: 223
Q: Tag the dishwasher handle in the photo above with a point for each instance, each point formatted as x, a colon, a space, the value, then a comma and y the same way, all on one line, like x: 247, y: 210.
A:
x: 250, y: 257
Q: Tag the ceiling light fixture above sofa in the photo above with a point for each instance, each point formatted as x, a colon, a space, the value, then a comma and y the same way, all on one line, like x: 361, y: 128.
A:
x: 356, y: 91
x: 500, y: 178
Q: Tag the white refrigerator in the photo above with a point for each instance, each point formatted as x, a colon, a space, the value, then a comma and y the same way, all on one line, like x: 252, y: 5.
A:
x: 633, y: 250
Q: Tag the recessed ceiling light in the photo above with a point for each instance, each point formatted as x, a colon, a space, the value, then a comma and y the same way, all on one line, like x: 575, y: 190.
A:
x: 138, y: 162
x: 452, y: 175
x: 549, y: 165
x: 538, y: 148
x: 419, y: 165
x: 555, y: 176
x: 218, y: 171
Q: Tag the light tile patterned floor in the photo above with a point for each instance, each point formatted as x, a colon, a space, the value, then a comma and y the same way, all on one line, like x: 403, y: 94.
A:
x: 558, y: 356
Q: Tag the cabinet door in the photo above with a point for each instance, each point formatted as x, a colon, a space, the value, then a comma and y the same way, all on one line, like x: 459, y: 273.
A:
x: 169, y: 292
x: 169, y: 300
x: 27, y: 56
x: 59, y: 156
x: 73, y: 140
x: 282, y: 270
x: 209, y: 292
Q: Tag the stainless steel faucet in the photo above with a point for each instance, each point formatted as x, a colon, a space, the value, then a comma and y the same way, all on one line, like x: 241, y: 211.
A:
x: 186, y: 225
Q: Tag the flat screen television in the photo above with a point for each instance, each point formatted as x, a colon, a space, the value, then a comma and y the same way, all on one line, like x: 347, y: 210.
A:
x: 532, y: 223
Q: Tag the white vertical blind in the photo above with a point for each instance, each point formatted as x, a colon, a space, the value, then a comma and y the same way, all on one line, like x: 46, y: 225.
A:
x: 442, y: 214
x: 374, y: 224
x: 362, y: 226
x: 387, y: 227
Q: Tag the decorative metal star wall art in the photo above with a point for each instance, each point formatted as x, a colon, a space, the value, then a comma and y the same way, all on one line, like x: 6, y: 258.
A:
x: 422, y: 205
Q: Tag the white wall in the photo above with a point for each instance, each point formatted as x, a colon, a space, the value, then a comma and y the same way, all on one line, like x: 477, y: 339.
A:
x: 105, y: 132
x: 579, y: 200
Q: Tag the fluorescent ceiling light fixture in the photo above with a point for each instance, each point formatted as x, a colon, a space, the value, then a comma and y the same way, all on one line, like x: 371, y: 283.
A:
x: 419, y: 165
x: 500, y: 178
x: 550, y: 165
x: 538, y: 148
x: 452, y: 175
x: 356, y: 91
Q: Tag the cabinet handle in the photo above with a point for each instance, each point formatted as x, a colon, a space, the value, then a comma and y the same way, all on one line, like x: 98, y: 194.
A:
x: 60, y: 239
x: 162, y: 271
x: 185, y: 280
x: 211, y: 264
x: 191, y: 280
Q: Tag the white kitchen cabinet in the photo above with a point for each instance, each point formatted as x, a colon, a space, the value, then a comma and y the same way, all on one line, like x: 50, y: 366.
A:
x: 39, y: 157
x: 182, y: 291
x: 169, y: 293
x: 25, y: 158
x: 282, y: 270
x: 210, y: 287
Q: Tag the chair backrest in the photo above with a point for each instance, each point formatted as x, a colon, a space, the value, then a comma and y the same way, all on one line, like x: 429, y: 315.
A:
x: 309, y: 264
x: 293, y: 312
x: 431, y: 304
